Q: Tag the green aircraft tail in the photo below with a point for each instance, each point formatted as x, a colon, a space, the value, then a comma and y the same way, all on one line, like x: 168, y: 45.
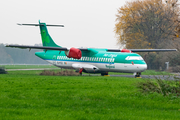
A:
x: 46, y: 38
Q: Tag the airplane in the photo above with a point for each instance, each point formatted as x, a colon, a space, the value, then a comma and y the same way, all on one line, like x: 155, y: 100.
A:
x: 89, y: 60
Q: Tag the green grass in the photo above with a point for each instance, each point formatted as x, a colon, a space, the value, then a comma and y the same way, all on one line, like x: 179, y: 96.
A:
x: 27, y: 95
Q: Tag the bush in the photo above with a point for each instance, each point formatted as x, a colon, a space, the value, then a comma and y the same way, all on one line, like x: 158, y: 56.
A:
x: 62, y: 73
x: 174, y: 69
x: 2, y: 70
x: 164, y: 87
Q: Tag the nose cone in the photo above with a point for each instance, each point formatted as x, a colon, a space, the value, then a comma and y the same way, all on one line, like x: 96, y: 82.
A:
x: 143, y: 67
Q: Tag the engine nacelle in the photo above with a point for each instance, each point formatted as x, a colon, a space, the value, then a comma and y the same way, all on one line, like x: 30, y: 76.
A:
x: 86, y: 68
x: 125, y: 50
x: 73, y: 53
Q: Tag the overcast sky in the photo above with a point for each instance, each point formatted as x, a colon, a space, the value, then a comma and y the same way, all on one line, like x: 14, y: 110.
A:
x: 88, y: 23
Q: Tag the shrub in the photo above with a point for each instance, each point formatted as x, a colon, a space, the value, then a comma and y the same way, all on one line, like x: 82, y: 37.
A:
x: 61, y: 73
x: 2, y: 70
x: 164, y: 87
x: 174, y: 69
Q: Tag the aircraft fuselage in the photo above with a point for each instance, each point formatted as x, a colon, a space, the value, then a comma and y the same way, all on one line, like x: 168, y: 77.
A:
x: 98, y: 62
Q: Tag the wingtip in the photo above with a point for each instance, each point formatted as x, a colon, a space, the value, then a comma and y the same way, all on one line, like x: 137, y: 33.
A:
x: 19, y: 24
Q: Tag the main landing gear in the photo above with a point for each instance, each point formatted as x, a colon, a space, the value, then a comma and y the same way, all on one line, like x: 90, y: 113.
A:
x: 137, y: 75
x: 80, y: 71
x: 104, y: 74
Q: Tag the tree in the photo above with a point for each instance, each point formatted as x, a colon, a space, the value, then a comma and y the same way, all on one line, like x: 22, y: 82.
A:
x: 18, y: 56
x: 4, y: 57
x: 150, y: 24
x: 146, y: 24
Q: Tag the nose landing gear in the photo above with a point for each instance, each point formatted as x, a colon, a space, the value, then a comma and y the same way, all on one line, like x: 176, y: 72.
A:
x: 137, y: 75
x: 104, y: 74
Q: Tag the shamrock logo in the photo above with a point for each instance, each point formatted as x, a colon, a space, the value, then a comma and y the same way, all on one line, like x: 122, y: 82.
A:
x: 45, y: 37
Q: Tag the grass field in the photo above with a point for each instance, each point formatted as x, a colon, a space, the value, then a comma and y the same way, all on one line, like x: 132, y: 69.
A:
x: 27, y: 95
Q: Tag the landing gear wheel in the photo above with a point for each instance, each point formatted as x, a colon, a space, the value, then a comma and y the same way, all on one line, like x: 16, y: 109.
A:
x: 138, y: 74
x: 103, y: 74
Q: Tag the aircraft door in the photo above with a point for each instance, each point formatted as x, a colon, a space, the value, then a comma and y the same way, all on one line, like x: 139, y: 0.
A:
x: 109, y: 61
x: 110, y: 64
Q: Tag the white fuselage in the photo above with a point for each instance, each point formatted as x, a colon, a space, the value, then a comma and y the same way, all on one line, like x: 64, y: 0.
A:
x: 97, y: 67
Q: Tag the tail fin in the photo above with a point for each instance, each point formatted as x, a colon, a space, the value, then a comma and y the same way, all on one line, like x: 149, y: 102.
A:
x: 46, y: 38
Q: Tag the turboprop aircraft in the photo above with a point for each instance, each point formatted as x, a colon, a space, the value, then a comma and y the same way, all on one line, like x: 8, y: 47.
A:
x: 89, y: 60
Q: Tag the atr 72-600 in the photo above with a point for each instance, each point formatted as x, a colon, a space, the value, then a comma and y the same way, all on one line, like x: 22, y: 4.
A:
x: 89, y: 60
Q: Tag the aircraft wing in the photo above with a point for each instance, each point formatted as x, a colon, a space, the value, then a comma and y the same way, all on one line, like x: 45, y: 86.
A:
x: 44, y: 48
x: 37, y: 47
x: 87, y: 49
x: 143, y: 50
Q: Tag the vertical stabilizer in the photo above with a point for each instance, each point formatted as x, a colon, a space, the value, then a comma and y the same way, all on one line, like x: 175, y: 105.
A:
x: 46, y: 38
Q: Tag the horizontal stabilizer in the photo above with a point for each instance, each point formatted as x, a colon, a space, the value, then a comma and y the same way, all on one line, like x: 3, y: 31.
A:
x: 41, y: 25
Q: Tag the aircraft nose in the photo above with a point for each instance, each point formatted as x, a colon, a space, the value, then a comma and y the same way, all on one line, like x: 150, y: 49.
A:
x: 144, y: 67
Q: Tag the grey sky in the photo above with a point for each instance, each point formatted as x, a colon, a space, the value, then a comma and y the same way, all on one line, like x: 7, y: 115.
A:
x: 88, y: 23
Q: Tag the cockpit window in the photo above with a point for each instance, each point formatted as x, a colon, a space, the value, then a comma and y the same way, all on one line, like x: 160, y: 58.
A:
x: 134, y: 58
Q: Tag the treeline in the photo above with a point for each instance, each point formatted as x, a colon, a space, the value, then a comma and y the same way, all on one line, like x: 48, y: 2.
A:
x: 18, y: 56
